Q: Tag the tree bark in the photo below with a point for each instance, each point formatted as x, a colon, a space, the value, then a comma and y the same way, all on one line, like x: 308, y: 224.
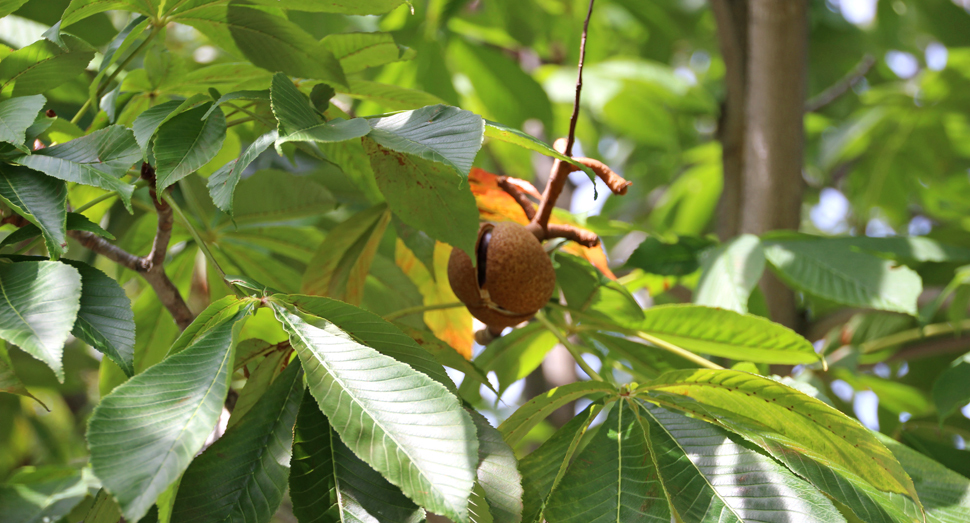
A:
x: 732, y: 33
x: 774, y: 131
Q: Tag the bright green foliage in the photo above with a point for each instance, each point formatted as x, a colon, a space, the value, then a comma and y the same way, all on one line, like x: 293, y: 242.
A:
x: 250, y: 486
x: 329, y: 484
x: 166, y: 442
x: 41, y: 302
x: 398, y: 438
x: 319, y: 347
x: 40, y: 199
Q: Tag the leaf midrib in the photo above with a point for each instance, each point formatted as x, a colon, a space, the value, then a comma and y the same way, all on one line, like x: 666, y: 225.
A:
x: 376, y: 422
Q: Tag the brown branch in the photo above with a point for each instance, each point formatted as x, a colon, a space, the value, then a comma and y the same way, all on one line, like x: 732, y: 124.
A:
x: 842, y: 86
x: 579, y: 84
x: 520, y: 197
x: 151, y: 267
x: 616, y: 183
x: 558, y: 174
x: 569, y: 232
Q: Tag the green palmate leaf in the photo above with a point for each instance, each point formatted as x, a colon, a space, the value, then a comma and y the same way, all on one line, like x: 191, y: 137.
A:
x: 916, y: 249
x: 498, y: 131
x: 40, y: 199
x: 40, y: 495
x: 242, y: 476
x: 148, y: 122
x: 712, y: 478
x: 9, y: 381
x: 944, y: 493
x: 951, y: 390
x: 720, y: 332
x: 669, y: 259
x: 340, y: 266
x: 426, y: 195
x: 291, y: 107
x: 587, y: 289
x: 105, y: 320
x: 535, y: 410
x: 16, y: 115
x: 409, y: 428
x: 498, y: 474
x: 299, y: 121
x: 9, y: 6
x: 731, y: 272
x: 613, y: 478
x: 358, y: 51
x: 272, y: 196
x: 441, y: 133
x: 347, y: 7
x: 515, y: 355
x: 509, y: 94
x: 41, y: 302
x: 98, y: 159
x: 75, y: 222
x: 543, y: 468
x: 143, y: 435
x: 43, y: 65
x: 844, y: 275
x: 257, y: 383
x: 337, y: 130
x: 80, y: 9
x: 185, y: 143
x: 329, y: 484
x: 833, y: 452
x: 222, y: 183
x: 350, y: 157
x: 372, y: 330
x: 390, y: 97
x: 217, y: 313
x: 276, y: 44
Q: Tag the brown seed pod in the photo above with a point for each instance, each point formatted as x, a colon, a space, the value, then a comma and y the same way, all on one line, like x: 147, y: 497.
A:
x: 513, y: 279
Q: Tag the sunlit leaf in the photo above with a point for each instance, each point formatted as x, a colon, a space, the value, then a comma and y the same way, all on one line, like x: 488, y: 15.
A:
x: 713, y: 478
x: 426, y: 441
x: 441, y: 133
x: 358, y: 51
x: 242, y: 476
x: 43, y: 65
x: 222, y: 183
x: 426, y: 195
x: 105, y: 320
x: 42, y: 302
x: 613, y: 478
x: 39, y: 495
x: 730, y: 273
x: 330, y: 484
x: 40, y: 199
x: 98, y: 159
x: 185, y: 143
x: 844, y: 275
x: 160, y: 418
x: 16, y: 115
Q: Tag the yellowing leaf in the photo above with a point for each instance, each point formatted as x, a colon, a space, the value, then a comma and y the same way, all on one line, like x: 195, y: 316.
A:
x: 453, y: 326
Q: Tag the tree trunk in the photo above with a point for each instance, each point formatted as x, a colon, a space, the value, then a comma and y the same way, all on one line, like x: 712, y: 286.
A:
x: 774, y: 137
x: 761, y: 126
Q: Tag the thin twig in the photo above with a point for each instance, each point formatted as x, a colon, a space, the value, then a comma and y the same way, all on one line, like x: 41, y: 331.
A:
x: 151, y: 267
x: 842, y: 86
x: 569, y: 232
x: 520, y: 197
x: 579, y: 84
x: 560, y: 170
